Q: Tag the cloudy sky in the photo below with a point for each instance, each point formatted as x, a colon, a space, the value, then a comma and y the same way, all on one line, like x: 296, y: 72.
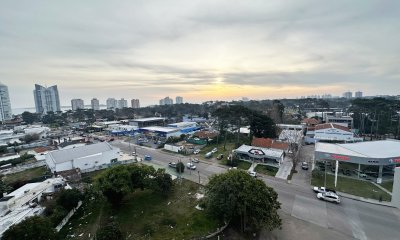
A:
x: 201, y: 50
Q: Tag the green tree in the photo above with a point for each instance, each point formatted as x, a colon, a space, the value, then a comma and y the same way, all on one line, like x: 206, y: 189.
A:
x: 109, y: 232
x: 243, y: 200
x: 162, y: 182
x: 29, y: 117
x: 4, y: 187
x: 69, y: 198
x: 180, y: 167
x: 3, y: 149
x: 262, y: 126
x: 141, y: 176
x: 31, y: 137
x: 115, y: 183
x: 33, y: 228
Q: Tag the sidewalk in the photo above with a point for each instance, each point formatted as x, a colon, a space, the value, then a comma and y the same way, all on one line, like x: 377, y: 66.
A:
x: 367, y: 200
x: 285, y: 168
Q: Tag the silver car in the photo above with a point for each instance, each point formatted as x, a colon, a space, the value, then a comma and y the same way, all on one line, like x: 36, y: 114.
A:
x: 191, y: 166
x: 329, y: 197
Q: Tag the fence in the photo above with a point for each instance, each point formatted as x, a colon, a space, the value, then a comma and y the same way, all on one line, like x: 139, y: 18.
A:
x: 69, y: 215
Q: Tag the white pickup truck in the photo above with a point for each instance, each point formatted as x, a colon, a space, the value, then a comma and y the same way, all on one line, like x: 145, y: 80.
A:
x: 323, y: 190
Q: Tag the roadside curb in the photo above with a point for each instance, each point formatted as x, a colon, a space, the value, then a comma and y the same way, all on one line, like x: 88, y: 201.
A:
x: 366, y: 200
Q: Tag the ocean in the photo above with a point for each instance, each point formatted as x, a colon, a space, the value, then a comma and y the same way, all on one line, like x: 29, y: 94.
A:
x: 17, y: 111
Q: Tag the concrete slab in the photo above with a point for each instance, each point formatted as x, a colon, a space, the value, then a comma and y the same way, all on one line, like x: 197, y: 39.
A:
x: 313, y: 211
x: 285, y: 168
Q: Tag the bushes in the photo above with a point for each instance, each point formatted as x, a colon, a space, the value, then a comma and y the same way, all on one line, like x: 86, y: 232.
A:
x: 69, y: 199
x: 16, y: 161
x: 109, y: 232
x: 116, y: 182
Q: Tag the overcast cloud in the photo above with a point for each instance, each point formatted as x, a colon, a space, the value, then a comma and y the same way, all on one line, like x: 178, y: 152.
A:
x: 201, y: 50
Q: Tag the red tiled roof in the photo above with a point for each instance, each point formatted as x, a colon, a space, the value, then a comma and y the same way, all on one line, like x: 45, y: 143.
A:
x: 205, y: 134
x: 269, y: 143
x: 310, y: 121
x: 331, y: 125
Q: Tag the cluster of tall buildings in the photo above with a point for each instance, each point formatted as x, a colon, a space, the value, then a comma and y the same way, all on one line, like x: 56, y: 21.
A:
x: 349, y: 94
x: 169, y: 101
x: 111, y: 103
x: 46, y: 99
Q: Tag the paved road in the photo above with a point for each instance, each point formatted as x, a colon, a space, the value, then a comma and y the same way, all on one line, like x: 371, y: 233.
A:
x: 351, y: 218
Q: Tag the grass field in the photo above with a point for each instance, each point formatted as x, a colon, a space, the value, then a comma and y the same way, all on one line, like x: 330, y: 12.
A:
x: 228, y: 149
x: 148, y: 215
x: 350, y: 186
x: 243, y: 165
x: 388, y: 185
x: 25, y: 175
x: 267, y: 170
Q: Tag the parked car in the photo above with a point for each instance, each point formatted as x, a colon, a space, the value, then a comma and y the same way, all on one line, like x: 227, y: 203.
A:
x: 232, y: 168
x: 304, y: 165
x: 346, y: 172
x: 191, y: 166
x: 329, y: 197
x: 172, y: 164
x: 252, y: 173
x: 363, y: 175
x: 323, y: 190
x: 208, y: 155
x: 197, y: 151
x: 220, y: 156
x: 147, y: 157
x: 214, y: 150
x: 195, y: 160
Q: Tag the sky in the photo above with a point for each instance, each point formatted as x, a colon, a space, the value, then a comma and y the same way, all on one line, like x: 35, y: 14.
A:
x: 198, y: 49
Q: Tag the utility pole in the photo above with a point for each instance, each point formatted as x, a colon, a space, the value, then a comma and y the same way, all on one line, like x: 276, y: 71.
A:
x: 398, y: 125
x: 325, y: 176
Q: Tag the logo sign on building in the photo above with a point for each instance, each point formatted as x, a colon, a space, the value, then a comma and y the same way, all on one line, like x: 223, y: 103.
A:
x: 338, y: 157
x: 394, y: 160
x: 256, y: 151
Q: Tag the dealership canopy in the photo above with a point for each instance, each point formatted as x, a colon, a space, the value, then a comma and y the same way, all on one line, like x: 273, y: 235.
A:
x: 385, y: 152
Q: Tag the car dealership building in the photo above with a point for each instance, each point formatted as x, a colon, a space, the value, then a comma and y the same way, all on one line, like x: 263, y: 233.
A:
x: 376, y: 153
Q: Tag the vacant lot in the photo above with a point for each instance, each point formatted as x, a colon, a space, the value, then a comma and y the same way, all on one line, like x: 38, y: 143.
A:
x: 267, y: 170
x: 350, y: 186
x: 148, y: 215
x: 26, y: 175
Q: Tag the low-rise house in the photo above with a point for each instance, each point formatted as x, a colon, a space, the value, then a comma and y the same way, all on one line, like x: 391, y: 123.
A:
x: 330, y: 132
x: 260, y: 154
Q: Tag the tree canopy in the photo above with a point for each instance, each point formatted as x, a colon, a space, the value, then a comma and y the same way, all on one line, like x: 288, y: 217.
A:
x: 245, y: 201
x: 69, y: 198
x: 33, y: 228
x: 109, y: 232
x: 116, y: 182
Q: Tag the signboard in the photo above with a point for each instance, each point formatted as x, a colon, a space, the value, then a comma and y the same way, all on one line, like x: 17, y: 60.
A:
x: 322, y: 156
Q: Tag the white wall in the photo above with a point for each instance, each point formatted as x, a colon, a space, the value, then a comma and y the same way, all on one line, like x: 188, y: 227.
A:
x: 172, y: 148
x: 334, y: 134
x: 396, y: 188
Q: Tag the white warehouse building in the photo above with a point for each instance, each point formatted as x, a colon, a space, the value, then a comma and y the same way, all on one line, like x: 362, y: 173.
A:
x: 84, y: 157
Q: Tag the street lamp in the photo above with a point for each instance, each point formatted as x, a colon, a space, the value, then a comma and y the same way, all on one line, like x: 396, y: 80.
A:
x: 325, y: 176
